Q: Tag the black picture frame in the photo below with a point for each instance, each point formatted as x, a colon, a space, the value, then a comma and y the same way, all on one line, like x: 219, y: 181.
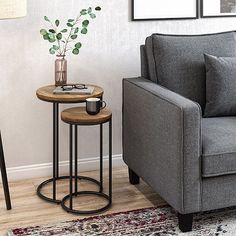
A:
x: 211, y: 16
x: 152, y: 19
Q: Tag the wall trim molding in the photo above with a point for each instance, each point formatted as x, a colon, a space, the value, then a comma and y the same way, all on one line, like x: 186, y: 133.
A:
x: 45, y: 169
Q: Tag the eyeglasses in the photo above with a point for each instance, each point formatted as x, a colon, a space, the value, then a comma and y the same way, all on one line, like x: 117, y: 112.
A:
x: 73, y: 86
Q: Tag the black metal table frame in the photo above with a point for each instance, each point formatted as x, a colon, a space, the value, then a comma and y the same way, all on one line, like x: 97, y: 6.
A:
x: 56, y: 176
x: 77, y: 193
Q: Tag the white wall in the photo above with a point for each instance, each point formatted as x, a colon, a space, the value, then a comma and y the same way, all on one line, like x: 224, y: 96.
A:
x: 110, y: 52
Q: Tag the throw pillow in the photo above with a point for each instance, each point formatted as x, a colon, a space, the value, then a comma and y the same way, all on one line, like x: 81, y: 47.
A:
x: 220, y: 86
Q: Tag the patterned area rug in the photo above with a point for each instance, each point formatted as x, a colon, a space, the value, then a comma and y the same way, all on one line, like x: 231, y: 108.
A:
x: 160, y: 221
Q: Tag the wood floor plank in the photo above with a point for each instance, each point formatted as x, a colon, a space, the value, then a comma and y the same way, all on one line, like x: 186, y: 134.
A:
x: 29, y: 209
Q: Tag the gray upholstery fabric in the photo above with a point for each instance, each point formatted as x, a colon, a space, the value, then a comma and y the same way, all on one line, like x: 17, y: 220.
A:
x: 177, y: 61
x: 150, y: 59
x: 220, y: 86
x: 219, y: 146
x: 144, y: 65
x: 218, y: 192
x: 162, y: 142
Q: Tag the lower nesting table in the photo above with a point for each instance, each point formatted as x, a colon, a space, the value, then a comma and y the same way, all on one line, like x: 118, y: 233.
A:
x: 75, y: 117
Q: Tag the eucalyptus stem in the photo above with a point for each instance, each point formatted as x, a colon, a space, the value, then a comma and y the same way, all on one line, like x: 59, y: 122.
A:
x: 67, y: 41
x: 58, y: 42
x: 71, y: 30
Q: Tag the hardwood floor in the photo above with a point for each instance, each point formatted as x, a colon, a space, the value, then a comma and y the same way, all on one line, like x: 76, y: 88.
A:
x: 29, y: 209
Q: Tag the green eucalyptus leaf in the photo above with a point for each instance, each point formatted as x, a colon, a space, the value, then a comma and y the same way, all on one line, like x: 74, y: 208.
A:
x: 52, y: 51
x: 55, y: 47
x: 69, y: 25
x: 76, y: 30
x: 52, y: 31
x: 83, y: 12
x: 51, y: 36
x: 84, y: 31
x: 71, y: 20
x: 92, y: 15
x: 57, y: 23
x: 85, y: 23
x: 98, y: 8
x: 59, y: 36
x: 43, y: 32
x: 52, y: 40
x: 78, y: 45
x: 75, y: 51
x: 89, y: 10
x: 64, y: 31
x: 46, y: 18
x: 74, y: 36
x: 45, y: 37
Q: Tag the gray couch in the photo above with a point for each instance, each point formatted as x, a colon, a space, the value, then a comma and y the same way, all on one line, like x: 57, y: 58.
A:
x: 190, y: 161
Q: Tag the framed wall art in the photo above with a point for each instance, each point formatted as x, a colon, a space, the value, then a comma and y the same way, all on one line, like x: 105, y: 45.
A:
x: 218, y: 8
x: 164, y: 9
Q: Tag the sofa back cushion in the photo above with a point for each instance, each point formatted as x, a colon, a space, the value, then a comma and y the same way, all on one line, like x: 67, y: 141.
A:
x: 177, y: 61
x: 144, y: 62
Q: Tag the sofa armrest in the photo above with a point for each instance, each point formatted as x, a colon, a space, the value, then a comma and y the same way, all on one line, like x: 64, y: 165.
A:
x: 162, y: 142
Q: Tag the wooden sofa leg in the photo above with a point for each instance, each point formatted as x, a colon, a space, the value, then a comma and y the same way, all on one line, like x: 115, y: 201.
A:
x: 185, y: 222
x: 133, y: 177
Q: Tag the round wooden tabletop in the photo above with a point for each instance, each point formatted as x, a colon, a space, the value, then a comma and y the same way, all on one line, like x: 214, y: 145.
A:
x: 79, y: 116
x: 46, y: 94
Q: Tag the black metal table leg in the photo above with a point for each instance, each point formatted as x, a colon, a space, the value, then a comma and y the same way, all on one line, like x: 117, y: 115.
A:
x: 55, y: 148
x: 76, y: 158
x: 4, y: 176
x: 101, y: 157
x: 55, y: 163
x: 110, y: 161
x: 71, y: 165
x: 57, y: 138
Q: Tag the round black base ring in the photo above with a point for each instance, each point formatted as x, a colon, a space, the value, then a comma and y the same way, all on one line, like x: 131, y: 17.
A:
x: 57, y: 201
x: 85, y: 212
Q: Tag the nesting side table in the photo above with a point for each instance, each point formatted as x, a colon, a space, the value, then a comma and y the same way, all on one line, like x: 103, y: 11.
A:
x: 75, y: 117
x: 46, y: 94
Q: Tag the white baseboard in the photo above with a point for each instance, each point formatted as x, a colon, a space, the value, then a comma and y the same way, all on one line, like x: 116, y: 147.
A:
x: 43, y: 170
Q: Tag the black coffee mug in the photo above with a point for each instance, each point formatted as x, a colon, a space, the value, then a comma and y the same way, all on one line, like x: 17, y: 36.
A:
x: 94, y: 105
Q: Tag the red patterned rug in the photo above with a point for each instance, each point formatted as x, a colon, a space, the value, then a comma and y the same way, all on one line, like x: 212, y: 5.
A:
x: 161, y: 221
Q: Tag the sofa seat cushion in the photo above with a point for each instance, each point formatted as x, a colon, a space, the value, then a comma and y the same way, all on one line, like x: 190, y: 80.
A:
x: 219, y: 146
